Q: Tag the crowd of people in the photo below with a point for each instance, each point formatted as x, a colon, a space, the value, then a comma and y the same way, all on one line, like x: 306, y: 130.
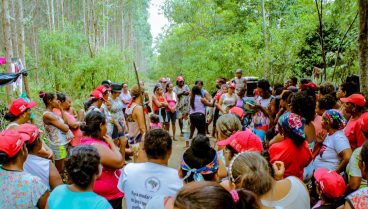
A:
x: 283, y: 146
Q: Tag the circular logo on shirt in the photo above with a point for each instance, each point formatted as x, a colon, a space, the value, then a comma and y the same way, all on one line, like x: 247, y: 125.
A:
x: 152, y: 184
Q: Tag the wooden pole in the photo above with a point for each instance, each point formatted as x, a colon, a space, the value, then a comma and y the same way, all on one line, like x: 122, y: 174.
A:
x: 140, y: 90
x: 8, y: 46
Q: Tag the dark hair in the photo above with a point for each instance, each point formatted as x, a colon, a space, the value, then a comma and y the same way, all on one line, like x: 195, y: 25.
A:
x: 222, y: 80
x: 294, y: 79
x: 167, y: 85
x: 198, y: 82
x: 285, y: 95
x: 32, y: 145
x: 304, y: 81
x: 106, y: 83
x: 349, y: 88
x: 87, y: 104
x: 61, y: 97
x: 296, y: 139
x: 5, y: 159
x: 157, y: 86
x: 326, y: 88
x: 154, y: 118
x: 199, y: 154
x: 93, y: 120
x: 364, y: 155
x: 10, y: 117
x: 326, y: 103
x: 278, y: 88
x: 211, y: 195
x: 304, y: 105
x: 195, y: 91
x: 157, y: 144
x: 264, y: 84
x: 46, y: 97
x: 82, y: 164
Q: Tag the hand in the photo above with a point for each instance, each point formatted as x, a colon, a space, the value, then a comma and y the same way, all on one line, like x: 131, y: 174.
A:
x: 108, y: 139
x: 321, y: 136
x: 120, y: 129
x: 279, y: 169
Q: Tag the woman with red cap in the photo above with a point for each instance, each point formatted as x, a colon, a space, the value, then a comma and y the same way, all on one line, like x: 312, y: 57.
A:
x: 57, y: 130
x: 182, y: 91
x: 35, y: 165
x: 19, y: 113
x: 354, y: 105
x: 227, y: 100
x: 19, y: 188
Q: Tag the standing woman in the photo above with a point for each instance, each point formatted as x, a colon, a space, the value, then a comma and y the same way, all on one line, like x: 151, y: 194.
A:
x: 159, y: 102
x: 171, y: 99
x: 95, y: 134
x: 73, y: 124
x: 135, y: 119
x: 197, y: 111
x: 227, y: 100
x: 19, y: 189
x: 57, y: 130
x: 182, y: 91
x: 125, y: 96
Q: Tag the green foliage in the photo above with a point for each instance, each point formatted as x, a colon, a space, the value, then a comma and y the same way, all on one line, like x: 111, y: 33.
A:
x: 212, y: 38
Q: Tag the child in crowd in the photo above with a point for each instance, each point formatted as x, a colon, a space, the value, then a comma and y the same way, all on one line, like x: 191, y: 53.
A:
x: 186, y: 129
x: 155, y: 121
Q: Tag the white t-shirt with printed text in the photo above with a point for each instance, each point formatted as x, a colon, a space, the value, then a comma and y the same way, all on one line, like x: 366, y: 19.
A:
x: 142, y: 181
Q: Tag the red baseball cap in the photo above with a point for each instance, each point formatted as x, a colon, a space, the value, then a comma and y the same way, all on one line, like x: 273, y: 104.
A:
x: 12, y: 141
x: 30, y: 130
x: 19, y: 106
x: 356, y: 99
x: 364, y: 123
x: 312, y: 85
x: 331, y: 183
x: 103, y: 88
x: 97, y: 94
x: 232, y: 85
x: 243, y: 141
x: 179, y: 78
x: 237, y: 111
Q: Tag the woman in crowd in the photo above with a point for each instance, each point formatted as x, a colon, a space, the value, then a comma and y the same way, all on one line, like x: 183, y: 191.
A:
x: 65, y: 103
x: 95, y: 134
x: 19, y: 189
x: 125, y: 96
x: 359, y: 199
x: 83, y: 167
x: 171, y: 113
x: 182, y: 91
x: 200, y: 162
x: 249, y: 170
x: 136, y: 123
x: 117, y: 117
x: 35, y: 165
x: 197, y: 113
x: 291, y: 127
x: 20, y: 113
x: 210, y: 195
x: 355, y: 106
x: 159, y: 102
x: 95, y: 101
x: 240, y: 91
x: 58, y: 134
x: 227, y: 100
x: 335, y: 152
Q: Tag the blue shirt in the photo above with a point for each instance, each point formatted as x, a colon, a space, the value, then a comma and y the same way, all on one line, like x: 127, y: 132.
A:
x: 63, y: 198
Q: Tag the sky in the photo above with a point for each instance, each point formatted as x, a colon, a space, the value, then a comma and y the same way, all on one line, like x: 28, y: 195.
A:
x: 156, y: 18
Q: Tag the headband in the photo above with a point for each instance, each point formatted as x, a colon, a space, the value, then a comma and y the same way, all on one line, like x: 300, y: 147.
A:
x: 212, y: 167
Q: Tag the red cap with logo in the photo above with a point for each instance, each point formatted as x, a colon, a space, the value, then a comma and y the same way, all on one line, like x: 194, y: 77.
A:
x: 331, y: 183
x: 12, y: 141
x: 30, y: 130
x: 103, y: 88
x: 232, y: 85
x: 311, y: 85
x: 237, y: 111
x: 97, y: 94
x: 19, y: 106
x: 243, y: 141
x: 356, y: 99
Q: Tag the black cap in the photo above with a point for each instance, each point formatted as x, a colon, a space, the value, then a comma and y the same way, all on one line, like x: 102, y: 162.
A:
x: 115, y: 87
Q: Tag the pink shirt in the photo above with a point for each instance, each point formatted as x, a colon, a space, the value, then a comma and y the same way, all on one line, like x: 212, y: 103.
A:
x: 354, y: 132
x: 106, y: 184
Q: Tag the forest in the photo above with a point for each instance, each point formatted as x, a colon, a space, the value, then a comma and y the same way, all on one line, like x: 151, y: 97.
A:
x: 71, y: 46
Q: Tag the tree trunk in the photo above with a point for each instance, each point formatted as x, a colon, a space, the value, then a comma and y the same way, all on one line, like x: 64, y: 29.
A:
x: 363, y: 45
x: 52, y: 15
x: 8, y: 45
x: 13, y: 28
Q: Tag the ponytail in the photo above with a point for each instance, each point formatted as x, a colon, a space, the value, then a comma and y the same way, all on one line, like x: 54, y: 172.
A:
x: 46, y: 97
x: 244, y: 199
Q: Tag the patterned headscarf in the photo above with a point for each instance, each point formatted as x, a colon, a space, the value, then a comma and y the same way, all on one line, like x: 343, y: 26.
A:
x: 212, y: 167
x: 335, y: 119
x: 292, y: 122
